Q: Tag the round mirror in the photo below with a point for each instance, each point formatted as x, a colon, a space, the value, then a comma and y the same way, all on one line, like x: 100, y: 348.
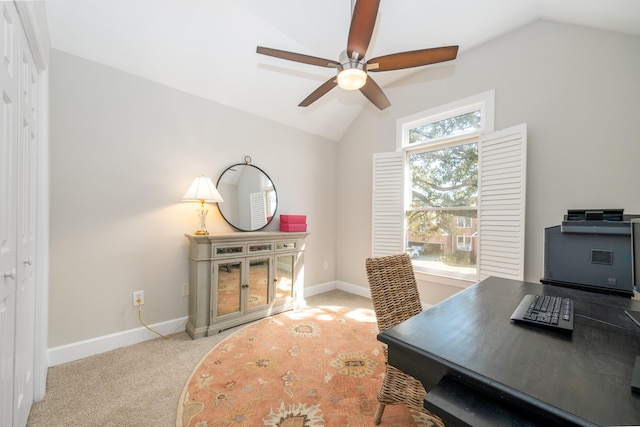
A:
x: 250, y: 198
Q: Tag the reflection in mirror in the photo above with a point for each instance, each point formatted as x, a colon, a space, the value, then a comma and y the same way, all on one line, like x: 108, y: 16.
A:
x: 229, y: 285
x: 250, y: 198
x: 284, y: 277
x: 259, y: 272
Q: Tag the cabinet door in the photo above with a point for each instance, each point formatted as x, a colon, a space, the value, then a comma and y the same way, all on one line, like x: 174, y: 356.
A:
x: 228, y: 279
x: 258, y: 279
x: 285, y: 275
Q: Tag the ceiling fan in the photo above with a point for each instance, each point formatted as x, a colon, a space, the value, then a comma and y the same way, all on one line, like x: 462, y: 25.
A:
x: 352, y: 66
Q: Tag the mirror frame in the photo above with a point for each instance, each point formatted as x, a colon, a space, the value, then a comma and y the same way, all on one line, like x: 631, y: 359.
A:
x: 246, y: 164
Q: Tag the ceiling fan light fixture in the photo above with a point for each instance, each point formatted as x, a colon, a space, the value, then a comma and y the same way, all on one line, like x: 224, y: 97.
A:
x: 351, y: 65
x: 352, y: 78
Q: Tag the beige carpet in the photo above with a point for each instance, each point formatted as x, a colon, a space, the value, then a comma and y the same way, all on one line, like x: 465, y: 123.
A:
x: 138, y: 385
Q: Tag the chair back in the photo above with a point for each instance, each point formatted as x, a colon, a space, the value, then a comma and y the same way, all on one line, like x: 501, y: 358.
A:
x: 393, y: 289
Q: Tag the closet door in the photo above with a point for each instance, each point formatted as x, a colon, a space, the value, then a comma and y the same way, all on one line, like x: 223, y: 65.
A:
x: 9, y: 40
x: 26, y: 236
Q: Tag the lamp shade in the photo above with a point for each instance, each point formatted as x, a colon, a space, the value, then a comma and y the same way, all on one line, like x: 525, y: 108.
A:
x: 202, y: 189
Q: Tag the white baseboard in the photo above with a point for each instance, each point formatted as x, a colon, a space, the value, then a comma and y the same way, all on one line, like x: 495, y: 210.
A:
x: 91, y: 347
x: 310, y: 291
x: 354, y: 289
x: 331, y: 286
x: 81, y: 349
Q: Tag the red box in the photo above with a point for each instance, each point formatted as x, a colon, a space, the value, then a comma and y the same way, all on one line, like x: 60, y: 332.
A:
x: 293, y: 219
x: 293, y: 227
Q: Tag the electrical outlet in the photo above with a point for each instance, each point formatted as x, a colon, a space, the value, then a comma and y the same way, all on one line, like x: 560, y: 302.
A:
x: 326, y: 265
x: 138, y: 298
x: 185, y: 289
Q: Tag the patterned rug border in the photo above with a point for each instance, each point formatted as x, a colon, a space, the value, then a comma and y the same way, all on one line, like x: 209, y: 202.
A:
x: 185, y: 389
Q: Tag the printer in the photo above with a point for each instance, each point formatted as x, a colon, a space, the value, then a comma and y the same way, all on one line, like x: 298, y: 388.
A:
x: 590, y: 250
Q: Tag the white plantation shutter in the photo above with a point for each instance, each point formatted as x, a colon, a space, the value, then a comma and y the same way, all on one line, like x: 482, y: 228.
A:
x: 502, y: 171
x: 258, y: 210
x: 388, y: 204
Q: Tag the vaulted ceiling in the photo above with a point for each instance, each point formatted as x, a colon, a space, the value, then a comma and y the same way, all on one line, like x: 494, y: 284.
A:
x: 208, y: 47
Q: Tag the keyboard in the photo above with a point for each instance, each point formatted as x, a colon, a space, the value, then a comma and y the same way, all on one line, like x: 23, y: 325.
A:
x: 545, y: 311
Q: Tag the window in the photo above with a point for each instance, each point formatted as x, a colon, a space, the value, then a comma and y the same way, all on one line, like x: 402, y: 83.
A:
x: 444, y: 195
x: 464, y: 244
x: 464, y: 222
x: 460, y: 187
x: 468, y: 117
x: 441, y: 148
x: 457, y: 125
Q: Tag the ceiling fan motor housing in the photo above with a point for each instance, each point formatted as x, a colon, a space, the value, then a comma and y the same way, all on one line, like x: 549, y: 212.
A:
x: 352, y: 74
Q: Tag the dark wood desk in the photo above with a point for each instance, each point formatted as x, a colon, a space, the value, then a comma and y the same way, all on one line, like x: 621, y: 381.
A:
x: 480, y: 364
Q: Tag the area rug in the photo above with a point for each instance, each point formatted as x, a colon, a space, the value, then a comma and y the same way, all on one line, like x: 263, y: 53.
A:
x: 308, y: 368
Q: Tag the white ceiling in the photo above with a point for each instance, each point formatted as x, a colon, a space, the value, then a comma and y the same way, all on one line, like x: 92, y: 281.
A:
x: 207, y: 47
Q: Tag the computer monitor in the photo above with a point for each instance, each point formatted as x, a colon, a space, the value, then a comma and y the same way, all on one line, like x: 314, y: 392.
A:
x: 597, y: 258
x: 635, y: 276
x: 635, y: 253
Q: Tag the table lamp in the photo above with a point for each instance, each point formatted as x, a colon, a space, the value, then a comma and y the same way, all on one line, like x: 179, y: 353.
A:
x: 202, y: 190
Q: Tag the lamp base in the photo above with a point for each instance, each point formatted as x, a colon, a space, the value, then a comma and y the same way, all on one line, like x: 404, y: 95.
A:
x: 202, y: 214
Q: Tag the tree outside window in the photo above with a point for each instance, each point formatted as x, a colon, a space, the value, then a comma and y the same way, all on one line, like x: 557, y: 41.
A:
x: 452, y: 126
x: 444, y: 189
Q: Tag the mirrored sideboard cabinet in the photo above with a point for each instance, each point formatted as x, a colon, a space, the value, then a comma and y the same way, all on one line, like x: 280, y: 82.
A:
x: 239, y: 277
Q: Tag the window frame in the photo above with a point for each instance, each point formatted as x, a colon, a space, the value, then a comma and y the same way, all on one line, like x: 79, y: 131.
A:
x: 485, y: 103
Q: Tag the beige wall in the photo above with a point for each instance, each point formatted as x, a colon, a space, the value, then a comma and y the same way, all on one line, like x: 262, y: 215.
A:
x: 576, y: 88
x: 123, y: 152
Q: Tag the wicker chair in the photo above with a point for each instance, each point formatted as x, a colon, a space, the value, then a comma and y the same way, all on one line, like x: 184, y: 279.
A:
x: 395, y: 299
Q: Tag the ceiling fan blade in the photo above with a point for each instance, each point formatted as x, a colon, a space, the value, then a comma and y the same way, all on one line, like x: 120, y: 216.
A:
x: 297, y: 57
x: 316, y: 94
x: 374, y: 94
x: 414, y: 58
x: 362, y: 23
